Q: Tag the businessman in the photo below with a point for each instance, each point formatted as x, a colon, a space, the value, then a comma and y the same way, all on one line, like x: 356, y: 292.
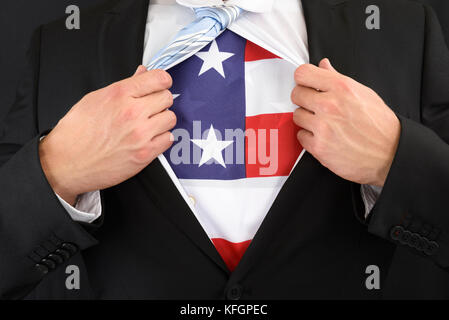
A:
x: 288, y: 149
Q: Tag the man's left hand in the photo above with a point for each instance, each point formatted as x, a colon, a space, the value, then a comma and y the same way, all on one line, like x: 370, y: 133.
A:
x: 345, y: 125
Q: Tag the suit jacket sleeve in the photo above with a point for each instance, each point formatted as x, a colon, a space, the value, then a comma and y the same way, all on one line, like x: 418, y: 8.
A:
x: 33, y: 223
x: 413, y: 209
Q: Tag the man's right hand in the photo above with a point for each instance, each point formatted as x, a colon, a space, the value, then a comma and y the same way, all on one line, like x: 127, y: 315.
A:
x: 110, y: 135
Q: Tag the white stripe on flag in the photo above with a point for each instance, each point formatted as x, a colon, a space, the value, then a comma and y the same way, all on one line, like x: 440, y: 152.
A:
x: 269, y: 84
x: 233, y: 210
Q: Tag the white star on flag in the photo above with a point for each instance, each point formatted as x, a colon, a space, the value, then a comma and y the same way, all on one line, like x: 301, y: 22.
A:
x: 212, y: 148
x: 213, y: 59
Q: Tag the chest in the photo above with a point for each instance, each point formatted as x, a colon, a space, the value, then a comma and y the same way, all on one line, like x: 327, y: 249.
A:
x: 235, y: 140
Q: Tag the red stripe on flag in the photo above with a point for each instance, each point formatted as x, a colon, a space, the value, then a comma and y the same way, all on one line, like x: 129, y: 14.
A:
x: 230, y: 252
x: 272, y: 147
x: 253, y: 52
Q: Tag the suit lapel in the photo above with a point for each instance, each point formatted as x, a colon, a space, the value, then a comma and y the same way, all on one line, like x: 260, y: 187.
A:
x: 330, y: 25
x: 122, y: 40
x: 164, y: 194
x: 332, y: 29
x: 121, y: 51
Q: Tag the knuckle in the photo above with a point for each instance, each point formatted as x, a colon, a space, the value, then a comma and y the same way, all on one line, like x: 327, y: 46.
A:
x: 294, y: 95
x: 297, y: 75
x: 137, y: 135
x: 165, y: 142
x: 297, y: 115
x: 90, y: 96
x: 300, y: 136
x: 304, y: 140
x: 317, y: 147
x: 128, y: 114
x: 328, y: 106
x: 304, y: 68
x: 163, y: 78
x: 168, y: 98
x: 172, y: 119
x: 135, y: 85
x: 143, y: 155
x: 323, y: 129
x: 308, y: 67
x: 343, y: 84
x: 300, y: 71
x: 116, y: 90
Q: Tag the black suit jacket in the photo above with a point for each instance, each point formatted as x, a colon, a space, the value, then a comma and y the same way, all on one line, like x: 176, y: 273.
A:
x: 314, y: 242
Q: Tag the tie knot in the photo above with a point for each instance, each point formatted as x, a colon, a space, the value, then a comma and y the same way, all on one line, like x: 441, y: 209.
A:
x: 224, y: 15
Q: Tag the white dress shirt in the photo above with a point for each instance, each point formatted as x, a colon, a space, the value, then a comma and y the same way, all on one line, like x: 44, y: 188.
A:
x: 278, y: 26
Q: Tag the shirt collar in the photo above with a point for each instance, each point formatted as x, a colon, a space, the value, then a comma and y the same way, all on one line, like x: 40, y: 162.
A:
x: 248, y: 5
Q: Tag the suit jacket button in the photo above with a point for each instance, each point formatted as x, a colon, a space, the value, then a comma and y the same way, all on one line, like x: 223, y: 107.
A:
x: 70, y: 247
x: 414, y: 240
x: 235, y: 292
x: 56, y: 258
x: 431, y: 248
x: 43, y: 269
x: 49, y: 263
x: 63, y: 253
x: 405, y: 238
x: 421, y: 245
x: 396, y: 232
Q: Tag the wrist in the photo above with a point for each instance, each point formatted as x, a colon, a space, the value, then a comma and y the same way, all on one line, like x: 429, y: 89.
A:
x: 384, y: 170
x: 56, y: 173
x: 381, y: 176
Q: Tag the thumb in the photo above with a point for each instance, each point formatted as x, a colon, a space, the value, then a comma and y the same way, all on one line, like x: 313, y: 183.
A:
x: 326, y: 64
x: 140, y: 69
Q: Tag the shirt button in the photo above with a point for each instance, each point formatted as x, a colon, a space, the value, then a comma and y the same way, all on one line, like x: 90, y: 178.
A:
x: 192, y: 200
x: 235, y: 292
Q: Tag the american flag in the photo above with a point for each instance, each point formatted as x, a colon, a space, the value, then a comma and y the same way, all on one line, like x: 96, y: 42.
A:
x: 235, y: 141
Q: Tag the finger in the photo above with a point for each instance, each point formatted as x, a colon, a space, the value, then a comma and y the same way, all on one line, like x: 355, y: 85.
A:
x: 140, y: 69
x: 155, y: 103
x: 307, y: 98
x: 305, y: 119
x: 326, y: 64
x: 308, y: 75
x: 161, y: 123
x: 147, y: 83
x: 162, y: 142
x: 305, y: 138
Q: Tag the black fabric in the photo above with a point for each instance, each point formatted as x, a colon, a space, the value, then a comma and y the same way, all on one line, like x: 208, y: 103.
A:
x: 313, y: 242
x: 18, y: 20
x: 441, y: 8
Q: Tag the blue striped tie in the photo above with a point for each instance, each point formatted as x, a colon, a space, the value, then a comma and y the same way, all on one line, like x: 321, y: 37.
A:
x: 209, y: 24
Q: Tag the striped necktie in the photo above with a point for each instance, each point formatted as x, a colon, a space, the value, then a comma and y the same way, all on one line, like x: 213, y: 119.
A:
x: 209, y: 24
